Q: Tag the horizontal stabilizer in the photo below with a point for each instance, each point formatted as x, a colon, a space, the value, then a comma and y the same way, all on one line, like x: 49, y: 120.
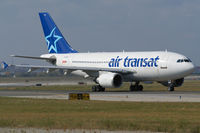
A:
x: 4, y: 65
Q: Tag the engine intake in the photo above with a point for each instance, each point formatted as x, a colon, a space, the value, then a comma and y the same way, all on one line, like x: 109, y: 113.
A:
x: 110, y: 80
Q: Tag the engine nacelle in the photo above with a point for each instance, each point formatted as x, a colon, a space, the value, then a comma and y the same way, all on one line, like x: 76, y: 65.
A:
x: 176, y: 83
x: 110, y: 80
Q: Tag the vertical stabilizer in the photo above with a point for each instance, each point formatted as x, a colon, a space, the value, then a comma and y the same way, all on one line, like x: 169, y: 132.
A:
x: 56, y: 43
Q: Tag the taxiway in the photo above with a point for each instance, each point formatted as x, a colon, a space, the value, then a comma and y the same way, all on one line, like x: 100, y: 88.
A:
x: 145, y: 96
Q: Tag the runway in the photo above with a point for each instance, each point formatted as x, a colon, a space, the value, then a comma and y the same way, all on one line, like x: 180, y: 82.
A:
x: 145, y: 96
x: 49, y: 83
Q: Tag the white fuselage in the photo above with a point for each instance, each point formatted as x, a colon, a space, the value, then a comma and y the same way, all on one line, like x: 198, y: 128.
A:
x: 147, y: 66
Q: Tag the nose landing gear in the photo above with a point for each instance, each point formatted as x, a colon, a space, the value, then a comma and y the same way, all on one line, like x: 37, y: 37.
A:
x: 136, y: 87
x: 170, y: 86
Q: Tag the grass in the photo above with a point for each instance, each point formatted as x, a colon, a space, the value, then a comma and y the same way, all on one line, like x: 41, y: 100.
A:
x: 62, y: 114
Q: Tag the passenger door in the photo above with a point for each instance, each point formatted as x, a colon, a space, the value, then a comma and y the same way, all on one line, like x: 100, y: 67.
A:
x: 163, y: 65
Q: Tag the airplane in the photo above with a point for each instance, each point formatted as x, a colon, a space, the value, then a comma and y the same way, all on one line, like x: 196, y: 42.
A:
x: 111, y: 69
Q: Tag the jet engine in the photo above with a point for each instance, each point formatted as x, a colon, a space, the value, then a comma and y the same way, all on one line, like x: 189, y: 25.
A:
x: 110, y: 80
x: 176, y: 83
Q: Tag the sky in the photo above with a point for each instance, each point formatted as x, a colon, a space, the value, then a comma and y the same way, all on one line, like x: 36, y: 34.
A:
x: 102, y: 26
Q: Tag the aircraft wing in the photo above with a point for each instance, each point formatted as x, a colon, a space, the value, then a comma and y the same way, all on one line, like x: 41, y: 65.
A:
x: 32, y: 57
x: 73, y: 68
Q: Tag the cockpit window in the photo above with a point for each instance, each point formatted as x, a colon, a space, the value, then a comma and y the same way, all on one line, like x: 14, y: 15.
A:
x: 183, y: 60
x: 189, y: 59
x: 186, y: 60
x: 180, y: 60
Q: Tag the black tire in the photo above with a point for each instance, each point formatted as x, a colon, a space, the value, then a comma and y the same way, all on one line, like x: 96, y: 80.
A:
x: 171, y: 88
x: 102, y: 89
x: 98, y: 88
x: 132, y: 88
x: 140, y: 88
x: 94, y: 89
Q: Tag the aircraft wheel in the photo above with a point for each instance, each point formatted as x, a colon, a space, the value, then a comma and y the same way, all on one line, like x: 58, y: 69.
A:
x: 132, y: 88
x: 94, y: 88
x: 98, y: 88
x: 136, y: 88
x: 140, y: 88
x: 171, y: 88
x: 102, y: 89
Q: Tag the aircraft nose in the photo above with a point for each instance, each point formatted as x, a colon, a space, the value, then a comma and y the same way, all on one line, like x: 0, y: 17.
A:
x: 190, y: 68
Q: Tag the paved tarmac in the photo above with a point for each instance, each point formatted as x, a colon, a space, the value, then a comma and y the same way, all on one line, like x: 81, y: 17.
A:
x: 145, y: 96
x: 49, y: 83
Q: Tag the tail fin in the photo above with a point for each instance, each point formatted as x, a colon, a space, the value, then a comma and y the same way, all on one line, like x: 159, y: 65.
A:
x: 4, y: 65
x: 55, y: 41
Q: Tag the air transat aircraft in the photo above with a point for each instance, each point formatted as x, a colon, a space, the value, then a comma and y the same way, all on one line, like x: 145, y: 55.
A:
x: 111, y: 69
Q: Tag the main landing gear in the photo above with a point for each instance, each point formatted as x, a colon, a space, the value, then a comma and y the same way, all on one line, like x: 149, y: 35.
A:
x: 98, y: 88
x: 136, y: 87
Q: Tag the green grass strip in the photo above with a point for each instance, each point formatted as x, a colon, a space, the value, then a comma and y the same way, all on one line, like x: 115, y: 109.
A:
x: 64, y: 114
